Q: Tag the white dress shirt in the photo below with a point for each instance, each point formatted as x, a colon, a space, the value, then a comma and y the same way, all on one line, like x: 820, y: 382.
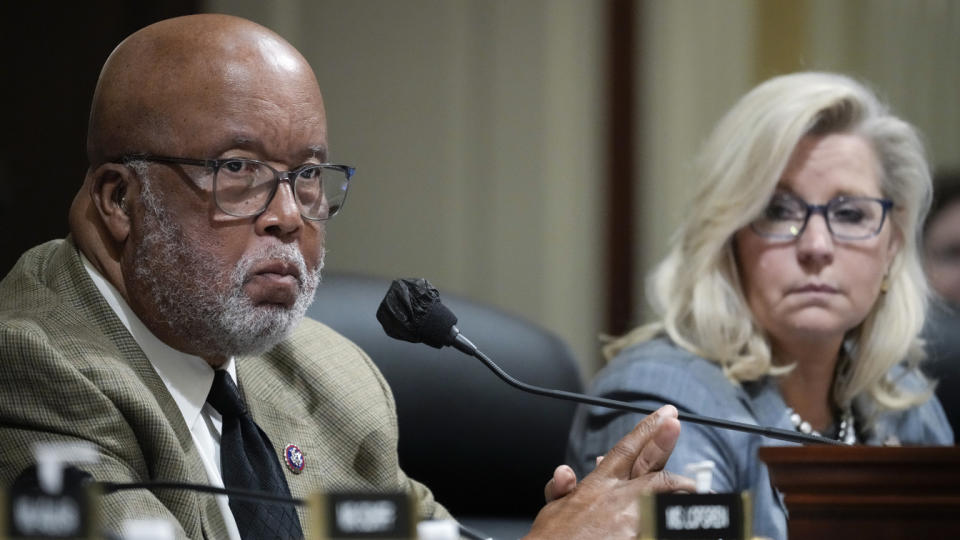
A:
x: 188, y: 378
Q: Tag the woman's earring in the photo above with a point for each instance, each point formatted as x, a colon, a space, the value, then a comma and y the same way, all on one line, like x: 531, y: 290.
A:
x: 885, y: 284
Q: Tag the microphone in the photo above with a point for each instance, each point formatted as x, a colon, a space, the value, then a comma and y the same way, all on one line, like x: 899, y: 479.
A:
x: 412, y: 311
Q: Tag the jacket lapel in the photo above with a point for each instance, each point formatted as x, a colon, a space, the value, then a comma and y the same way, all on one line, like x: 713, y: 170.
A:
x: 84, y: 294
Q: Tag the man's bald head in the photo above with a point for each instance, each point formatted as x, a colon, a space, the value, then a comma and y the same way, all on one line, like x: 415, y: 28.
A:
x: 199, y: 88
x: 194, y: 59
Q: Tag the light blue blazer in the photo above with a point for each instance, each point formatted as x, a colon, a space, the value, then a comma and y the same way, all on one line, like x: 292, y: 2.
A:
x: 657, y: 372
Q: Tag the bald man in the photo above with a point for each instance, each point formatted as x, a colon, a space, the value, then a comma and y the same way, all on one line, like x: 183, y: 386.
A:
x: 196, y: 245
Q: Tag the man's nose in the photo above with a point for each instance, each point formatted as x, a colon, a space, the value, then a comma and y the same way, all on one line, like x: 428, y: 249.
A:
x: 282, y: 216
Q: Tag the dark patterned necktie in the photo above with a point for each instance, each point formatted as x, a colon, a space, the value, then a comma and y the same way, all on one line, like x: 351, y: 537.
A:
x: 248, y: 461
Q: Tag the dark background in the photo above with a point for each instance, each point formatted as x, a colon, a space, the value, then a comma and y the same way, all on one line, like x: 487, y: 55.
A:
x: 51, y: 59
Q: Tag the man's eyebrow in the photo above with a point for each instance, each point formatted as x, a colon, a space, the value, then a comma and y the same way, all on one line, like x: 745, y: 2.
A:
x: 318, y: 151
x: 242, y: 142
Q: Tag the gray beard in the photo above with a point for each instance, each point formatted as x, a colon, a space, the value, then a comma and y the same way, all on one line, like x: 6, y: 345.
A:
x: 186, y: 287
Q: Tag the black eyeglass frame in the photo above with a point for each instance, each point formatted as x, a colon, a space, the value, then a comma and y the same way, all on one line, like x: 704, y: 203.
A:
x: 289, y: 177
x: 822, y: 209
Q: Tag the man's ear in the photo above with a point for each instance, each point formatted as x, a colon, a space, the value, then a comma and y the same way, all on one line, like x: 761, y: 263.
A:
x: 109, y: 184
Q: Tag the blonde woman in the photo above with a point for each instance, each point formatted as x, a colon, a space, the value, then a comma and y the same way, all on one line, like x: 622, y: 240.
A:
x: 793, y: 295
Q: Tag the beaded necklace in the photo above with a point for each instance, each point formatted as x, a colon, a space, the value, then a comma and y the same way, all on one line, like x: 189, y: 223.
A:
x: 847, y: 433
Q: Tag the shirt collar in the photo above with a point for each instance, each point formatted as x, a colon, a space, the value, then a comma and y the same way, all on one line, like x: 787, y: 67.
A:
x: 187, y: 377
x: 767, y: 404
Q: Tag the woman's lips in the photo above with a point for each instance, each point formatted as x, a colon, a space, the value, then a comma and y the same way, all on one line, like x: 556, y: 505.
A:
x: 814, y: 288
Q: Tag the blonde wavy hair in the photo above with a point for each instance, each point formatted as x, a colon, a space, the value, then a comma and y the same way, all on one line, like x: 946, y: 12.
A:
x: 696, y: 292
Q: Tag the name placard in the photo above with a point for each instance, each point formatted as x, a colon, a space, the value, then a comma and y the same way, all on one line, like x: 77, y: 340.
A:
x: 28, y: 512
x: 669, y: 516
x: 363, y: 515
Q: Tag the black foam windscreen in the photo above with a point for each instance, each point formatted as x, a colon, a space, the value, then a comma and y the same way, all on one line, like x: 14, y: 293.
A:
x: 412, y: 311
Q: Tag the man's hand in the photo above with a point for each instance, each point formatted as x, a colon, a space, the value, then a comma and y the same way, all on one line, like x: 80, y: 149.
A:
x: 563, y: 483
x: 606, y: 504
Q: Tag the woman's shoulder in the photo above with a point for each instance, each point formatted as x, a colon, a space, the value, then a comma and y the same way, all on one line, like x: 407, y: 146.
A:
x: 924, y: 424
x: 662, y: 356
x: 662, y: 370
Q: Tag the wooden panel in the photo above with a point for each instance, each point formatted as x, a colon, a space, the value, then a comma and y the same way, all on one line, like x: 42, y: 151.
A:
x: 621, y: 114
x: 868, y: 492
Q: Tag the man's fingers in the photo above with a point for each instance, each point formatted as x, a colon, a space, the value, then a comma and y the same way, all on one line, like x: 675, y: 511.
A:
x: 563, y: 482
x: 654, y: 455
x: 618, y: 462
x: 667, y: 482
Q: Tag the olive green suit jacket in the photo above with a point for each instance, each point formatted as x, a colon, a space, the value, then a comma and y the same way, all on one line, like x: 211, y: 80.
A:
x: 70, y: 371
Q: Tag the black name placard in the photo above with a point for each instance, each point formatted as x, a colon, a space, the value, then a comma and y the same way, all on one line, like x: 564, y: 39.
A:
x: 669, y: 516
x: 363, y: 515
x: 26, y: 511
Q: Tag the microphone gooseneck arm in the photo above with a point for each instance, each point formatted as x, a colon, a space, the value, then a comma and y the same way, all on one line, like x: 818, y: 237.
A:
x: 461, y: 343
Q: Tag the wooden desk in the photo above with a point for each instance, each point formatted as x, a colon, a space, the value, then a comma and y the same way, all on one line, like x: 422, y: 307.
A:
x: 867, y: 491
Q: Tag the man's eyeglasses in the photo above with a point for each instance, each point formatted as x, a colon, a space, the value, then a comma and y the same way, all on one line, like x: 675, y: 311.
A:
x: 848, y: 218
x: 245, y: 187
